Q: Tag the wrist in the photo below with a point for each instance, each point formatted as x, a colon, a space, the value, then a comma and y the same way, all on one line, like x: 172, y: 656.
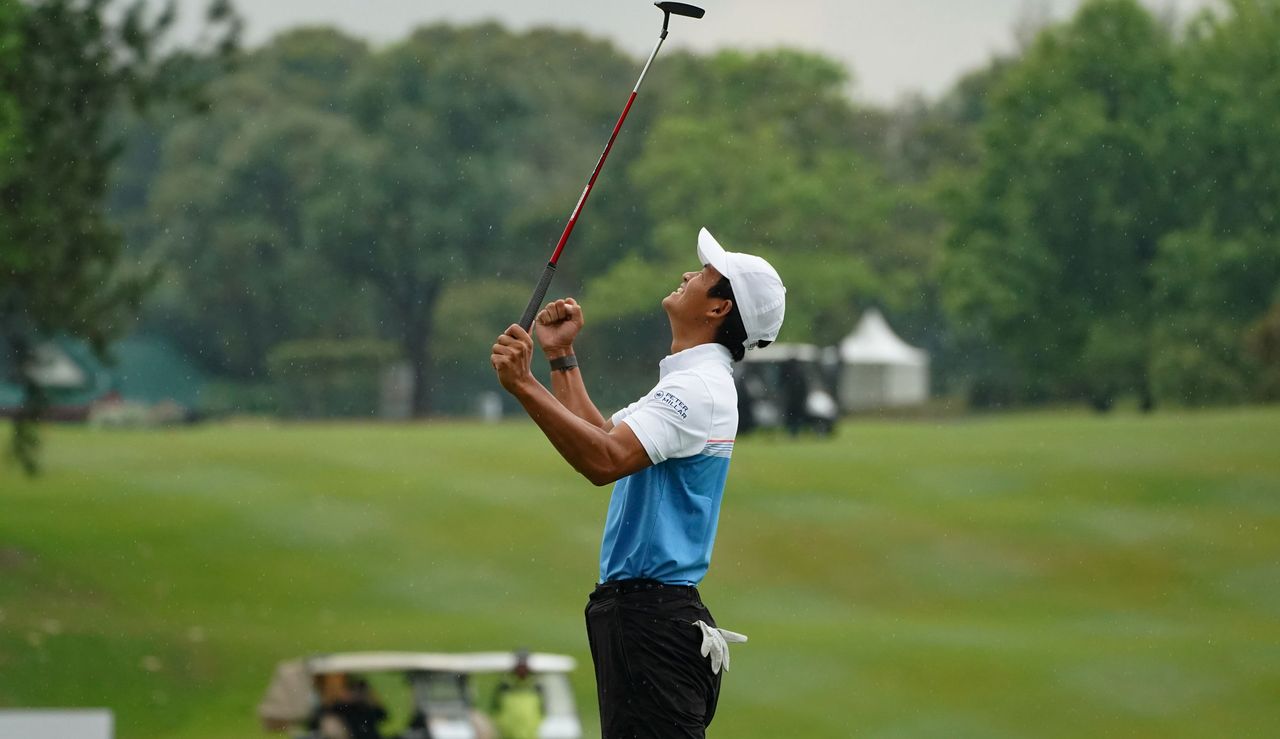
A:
x: 524, y: 387
x: 558, y: 352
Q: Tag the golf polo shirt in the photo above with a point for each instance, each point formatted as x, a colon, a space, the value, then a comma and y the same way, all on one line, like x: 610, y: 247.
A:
x: 662, y: 520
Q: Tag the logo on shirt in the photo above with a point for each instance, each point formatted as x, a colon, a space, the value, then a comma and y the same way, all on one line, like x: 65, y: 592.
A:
x: 676, y: 404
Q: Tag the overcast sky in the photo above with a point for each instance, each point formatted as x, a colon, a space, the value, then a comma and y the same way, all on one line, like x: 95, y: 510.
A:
x: 893, y: 47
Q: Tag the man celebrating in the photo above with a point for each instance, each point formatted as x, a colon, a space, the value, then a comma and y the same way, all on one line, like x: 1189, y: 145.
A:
x: 656, y: 649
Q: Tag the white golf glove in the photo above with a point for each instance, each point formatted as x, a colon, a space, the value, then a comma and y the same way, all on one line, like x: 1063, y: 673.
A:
x: 715, y: 644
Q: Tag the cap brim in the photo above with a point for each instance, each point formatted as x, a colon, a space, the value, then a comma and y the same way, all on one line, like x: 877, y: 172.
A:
x: 710, y: 252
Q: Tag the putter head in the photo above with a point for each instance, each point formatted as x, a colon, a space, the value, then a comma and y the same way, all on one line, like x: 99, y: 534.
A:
x: 685, y: 9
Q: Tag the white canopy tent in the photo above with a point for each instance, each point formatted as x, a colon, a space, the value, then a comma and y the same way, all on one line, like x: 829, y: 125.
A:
x: 880, y: 370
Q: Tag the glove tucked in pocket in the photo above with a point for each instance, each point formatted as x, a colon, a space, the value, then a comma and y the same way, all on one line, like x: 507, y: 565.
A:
x: 715, y: 644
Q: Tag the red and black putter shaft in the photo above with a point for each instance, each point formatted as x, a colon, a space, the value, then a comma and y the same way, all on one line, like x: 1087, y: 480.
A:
x: 540, y: 292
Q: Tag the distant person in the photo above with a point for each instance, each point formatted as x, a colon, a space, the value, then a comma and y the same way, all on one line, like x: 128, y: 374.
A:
x: 518, y: 707
x: 746, y: 407
x: 419, y: 727
x: 655, y: 646
x: 360, y: 711
x: 795, y: 394
x: 324, y: 722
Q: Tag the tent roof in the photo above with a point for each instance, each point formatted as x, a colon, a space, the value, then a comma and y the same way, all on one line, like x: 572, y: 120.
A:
x: 53, y: 368
x: 66, y: 368
x: 150, y: 370
x: 145, y: 369
x: 873, y: 342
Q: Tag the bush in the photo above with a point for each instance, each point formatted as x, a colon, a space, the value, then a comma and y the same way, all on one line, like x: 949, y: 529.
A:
x: 329, y: 378
x: 1263, y: 343
x: 222, y: 398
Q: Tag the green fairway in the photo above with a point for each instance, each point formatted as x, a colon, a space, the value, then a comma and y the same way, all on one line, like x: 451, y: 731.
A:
x: 1014, y: 576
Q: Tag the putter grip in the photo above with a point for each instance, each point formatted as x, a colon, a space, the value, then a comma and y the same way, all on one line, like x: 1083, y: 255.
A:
x: 539, y: 292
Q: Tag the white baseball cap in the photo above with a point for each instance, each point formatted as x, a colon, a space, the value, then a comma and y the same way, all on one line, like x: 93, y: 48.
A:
x: 757, y: 289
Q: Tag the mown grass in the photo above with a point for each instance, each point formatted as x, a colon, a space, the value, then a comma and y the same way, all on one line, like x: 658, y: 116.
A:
x: 1054, y: 575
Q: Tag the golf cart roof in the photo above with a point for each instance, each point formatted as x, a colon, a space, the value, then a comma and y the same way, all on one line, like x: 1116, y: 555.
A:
x: 291, y: 696
x: 473, y: 662
x: 784, y: 352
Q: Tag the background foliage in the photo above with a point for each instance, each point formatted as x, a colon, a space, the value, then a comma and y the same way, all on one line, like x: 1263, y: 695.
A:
x: 1092, y: 218
x: 69, y: 67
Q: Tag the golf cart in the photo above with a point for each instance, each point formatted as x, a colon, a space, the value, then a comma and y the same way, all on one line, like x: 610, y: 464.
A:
x: 785, y: 386
x: 441, y: 686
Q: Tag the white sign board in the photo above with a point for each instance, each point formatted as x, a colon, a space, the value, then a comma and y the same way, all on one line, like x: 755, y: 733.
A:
x: 87, y: 723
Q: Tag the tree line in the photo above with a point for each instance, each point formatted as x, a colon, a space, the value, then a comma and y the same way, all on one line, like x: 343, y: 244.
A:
x: 69, y: 68
x: 1092, y: 218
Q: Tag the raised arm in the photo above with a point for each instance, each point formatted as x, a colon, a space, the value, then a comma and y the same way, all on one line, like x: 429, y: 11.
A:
x: 556, y: 327
x: 599, y: 455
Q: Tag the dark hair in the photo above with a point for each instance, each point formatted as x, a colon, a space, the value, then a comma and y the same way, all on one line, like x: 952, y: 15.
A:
x: 731, y: 334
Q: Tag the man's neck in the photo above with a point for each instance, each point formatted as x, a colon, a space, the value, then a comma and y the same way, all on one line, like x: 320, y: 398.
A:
x: 688, y: 340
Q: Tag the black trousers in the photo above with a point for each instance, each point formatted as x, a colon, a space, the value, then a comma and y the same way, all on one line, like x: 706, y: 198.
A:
x: 651, y: 678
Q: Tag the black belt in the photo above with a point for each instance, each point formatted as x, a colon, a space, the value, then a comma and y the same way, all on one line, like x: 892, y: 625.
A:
x: 626, y: 587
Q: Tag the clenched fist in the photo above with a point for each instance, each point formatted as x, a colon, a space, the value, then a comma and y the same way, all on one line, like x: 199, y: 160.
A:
x: 511, y: 356
x: 557, y: 325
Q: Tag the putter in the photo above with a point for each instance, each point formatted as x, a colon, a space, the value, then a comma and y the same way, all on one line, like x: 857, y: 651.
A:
x: 540, y: 292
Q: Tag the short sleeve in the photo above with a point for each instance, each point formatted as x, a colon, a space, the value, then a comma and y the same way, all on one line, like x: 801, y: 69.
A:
x: 674, y: 419
x: 617, y: 417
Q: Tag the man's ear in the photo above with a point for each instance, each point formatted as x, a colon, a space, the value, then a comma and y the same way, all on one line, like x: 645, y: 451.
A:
x: 721, y: 309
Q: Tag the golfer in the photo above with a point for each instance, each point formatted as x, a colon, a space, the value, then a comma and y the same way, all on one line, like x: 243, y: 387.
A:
x: 656, y: 648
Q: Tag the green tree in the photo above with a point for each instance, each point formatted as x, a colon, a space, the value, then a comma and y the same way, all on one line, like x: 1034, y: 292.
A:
x: 932, y: 150
x: 1209, y: 288
x: 1049, y: 257
x: 448, y: 172
x: 77, y: 62
x: 10, y: 120
x: 1220, y: 271
x: 1263, y: 340
x: 925, y: 139
x: 336, y: 192
x: 417, y: 197
x: 764, y: 160
x: 228, y: 213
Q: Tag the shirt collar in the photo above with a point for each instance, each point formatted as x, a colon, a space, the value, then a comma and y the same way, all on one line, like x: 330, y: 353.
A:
x: 694, y: 356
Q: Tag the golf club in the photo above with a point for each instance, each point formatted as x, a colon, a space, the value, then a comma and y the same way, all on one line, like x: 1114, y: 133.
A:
x: 540, y: 292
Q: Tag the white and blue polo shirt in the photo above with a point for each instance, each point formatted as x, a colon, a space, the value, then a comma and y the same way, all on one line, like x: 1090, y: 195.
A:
x: 662, y: 520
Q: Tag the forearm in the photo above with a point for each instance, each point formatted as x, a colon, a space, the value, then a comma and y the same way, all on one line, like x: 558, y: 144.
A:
x: 583, y: 443
x: 568, y: 388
